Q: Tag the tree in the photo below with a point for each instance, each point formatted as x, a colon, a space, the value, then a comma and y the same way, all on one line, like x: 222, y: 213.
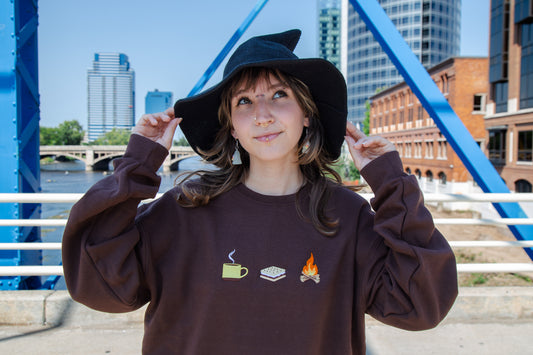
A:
x: 70, y: 133
x: 48, y: 136
x: 67, y: 133
x: 366, y: 121
x: 114, y: 137
x: 182, y: 142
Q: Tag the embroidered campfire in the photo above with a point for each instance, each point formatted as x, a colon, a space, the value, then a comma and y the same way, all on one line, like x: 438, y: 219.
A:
x: 310, y: 271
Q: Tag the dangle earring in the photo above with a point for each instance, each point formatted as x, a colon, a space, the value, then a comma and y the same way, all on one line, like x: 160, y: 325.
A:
x: 306, y: 145
x: 236, y: 158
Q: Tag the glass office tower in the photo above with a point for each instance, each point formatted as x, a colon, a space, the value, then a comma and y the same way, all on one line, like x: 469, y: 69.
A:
x: 329, y: 31
x: 430, y: 27
x: 111, y: 94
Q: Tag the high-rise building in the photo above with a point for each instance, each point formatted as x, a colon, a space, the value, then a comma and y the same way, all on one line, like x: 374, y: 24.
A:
x: 111, y: 94
x: 329, y: 31
x: 509, y: 119
x: 430, y: 27
x: 157, y: 101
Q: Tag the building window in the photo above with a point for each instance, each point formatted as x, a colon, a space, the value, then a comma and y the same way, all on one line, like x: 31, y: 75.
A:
x: 442, y: 150
x: 420, y: 112
x: 445, y: 87
x: 499, y: 41
x: 479, y: 103
x: 418, y: 150
x: 442, y: 178
x: 429, y: 176
x: 497, y: 144
x: 500, y: 96
x: 523, y: 186
x: 525, y: 146
x: 399, y: 147
x: 526, y: 67
x: 408, y: 150
x: 429, y: 150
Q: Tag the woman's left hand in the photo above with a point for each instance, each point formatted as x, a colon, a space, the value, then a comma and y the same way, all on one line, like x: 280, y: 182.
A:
x: 364, y: 149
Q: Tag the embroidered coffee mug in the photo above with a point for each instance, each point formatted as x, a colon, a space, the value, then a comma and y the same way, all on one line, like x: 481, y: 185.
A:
x: 232, y: 271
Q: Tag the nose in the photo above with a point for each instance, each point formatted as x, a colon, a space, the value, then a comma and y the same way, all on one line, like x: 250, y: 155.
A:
x: 263, y: 115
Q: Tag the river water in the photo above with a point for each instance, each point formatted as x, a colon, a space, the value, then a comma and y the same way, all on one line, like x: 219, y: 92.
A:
x: 71, y: 177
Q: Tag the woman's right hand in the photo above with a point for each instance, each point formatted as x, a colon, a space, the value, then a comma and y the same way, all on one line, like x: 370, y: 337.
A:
x: 159, y: 127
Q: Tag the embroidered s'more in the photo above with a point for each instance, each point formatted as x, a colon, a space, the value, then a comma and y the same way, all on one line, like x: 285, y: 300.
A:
x: 273, y: 273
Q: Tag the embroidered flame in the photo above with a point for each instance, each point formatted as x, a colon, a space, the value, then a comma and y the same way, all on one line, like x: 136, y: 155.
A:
x: 310, y: 269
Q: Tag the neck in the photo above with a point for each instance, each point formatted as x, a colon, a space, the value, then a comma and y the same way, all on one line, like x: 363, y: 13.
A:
x: 274, y: 179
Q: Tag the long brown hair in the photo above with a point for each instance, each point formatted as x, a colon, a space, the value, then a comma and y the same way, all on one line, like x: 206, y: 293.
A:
x: 315, y: 163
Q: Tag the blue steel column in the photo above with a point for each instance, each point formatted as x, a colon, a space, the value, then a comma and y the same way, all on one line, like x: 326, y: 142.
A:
x: 440, y: 111
x: 19, y: 133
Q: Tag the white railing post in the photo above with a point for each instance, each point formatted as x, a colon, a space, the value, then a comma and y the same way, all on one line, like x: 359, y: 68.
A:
x: 39, y: 270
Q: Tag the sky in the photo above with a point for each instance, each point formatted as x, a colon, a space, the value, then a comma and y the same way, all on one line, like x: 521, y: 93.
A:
x: 170, y: 43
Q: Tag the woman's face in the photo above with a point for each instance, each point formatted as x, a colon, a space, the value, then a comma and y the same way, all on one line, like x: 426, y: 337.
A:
x: 268, y: 121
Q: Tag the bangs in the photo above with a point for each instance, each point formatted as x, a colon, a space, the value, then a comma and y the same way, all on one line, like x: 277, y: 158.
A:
x: 249, y: 77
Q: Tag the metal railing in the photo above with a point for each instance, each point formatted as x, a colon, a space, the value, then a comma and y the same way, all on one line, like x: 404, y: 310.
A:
x: 44, y: 270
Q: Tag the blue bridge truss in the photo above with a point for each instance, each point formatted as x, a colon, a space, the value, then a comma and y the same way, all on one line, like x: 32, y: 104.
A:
x: 19, y: 105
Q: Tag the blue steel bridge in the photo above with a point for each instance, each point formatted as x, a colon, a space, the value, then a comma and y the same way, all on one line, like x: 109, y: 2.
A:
x: 19, y: 136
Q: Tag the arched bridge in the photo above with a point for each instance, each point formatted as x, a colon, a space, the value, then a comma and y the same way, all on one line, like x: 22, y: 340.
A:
x: 97, y: 157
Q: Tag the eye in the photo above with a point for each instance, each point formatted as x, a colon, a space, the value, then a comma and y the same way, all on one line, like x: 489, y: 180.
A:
x: 279, y: 93
x: 243, y: 101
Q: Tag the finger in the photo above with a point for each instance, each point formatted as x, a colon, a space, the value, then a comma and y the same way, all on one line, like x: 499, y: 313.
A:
x: 147, y: 119
x: 170, y: 112
x: 354, y: 132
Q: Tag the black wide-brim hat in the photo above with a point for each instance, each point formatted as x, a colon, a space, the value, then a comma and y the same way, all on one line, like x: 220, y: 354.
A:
x: 327, y: 85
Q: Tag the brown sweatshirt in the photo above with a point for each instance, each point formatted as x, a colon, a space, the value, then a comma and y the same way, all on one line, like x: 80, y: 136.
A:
x: 245, y: 274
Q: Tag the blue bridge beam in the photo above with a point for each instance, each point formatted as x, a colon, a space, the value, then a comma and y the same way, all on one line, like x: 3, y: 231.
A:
x: 439, y: 109
x: 19, y: 136
x: 227, y: 48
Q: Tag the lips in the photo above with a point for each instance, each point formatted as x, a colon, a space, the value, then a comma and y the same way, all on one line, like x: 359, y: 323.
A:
x: 268, y: 137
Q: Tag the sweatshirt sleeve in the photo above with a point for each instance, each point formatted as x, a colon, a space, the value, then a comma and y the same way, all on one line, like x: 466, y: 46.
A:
x: 102, y: 251
x: 410, y: 277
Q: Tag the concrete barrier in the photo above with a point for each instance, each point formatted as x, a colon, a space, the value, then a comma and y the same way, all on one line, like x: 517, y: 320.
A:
x: 474, y: 304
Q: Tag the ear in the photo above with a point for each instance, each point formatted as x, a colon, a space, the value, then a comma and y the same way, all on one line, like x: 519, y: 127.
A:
x: 306, y: 121
x: 234, y: 134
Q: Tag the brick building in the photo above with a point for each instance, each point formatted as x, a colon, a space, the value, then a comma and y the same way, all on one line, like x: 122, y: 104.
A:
x: 509, y: 118
x: 397, y: 115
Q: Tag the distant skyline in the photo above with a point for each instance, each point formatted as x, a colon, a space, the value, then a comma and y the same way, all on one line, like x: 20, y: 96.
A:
x: 171, y: 43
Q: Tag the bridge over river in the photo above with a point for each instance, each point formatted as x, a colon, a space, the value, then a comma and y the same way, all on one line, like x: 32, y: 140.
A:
x: 97, y: 157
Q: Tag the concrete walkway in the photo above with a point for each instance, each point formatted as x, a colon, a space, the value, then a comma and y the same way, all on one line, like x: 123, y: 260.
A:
x: 496, y: 320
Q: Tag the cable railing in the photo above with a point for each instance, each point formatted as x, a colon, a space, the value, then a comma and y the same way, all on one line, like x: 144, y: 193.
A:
x: 51, y: 270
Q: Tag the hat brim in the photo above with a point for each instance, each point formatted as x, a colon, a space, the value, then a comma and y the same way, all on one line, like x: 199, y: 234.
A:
x: 200, y: 123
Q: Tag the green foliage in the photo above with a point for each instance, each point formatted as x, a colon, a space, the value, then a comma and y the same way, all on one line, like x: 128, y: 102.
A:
x: 366, y: 121
x: 114, y: 137
x: 182, y: 142
x: 70, y: 133
x: 67, y: 133
x: 479, y: 279
x: 48, y: 136
x: 347, y: 171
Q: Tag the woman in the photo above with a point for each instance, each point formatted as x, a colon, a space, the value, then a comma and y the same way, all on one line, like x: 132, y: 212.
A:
x: 269, y: 253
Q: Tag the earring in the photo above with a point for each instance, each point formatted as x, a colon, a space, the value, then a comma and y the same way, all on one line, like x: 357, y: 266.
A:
x: 306, y: 145
x: 236, y: 158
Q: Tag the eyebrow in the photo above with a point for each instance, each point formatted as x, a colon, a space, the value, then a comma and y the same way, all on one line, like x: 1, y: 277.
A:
x: 270, y: 88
